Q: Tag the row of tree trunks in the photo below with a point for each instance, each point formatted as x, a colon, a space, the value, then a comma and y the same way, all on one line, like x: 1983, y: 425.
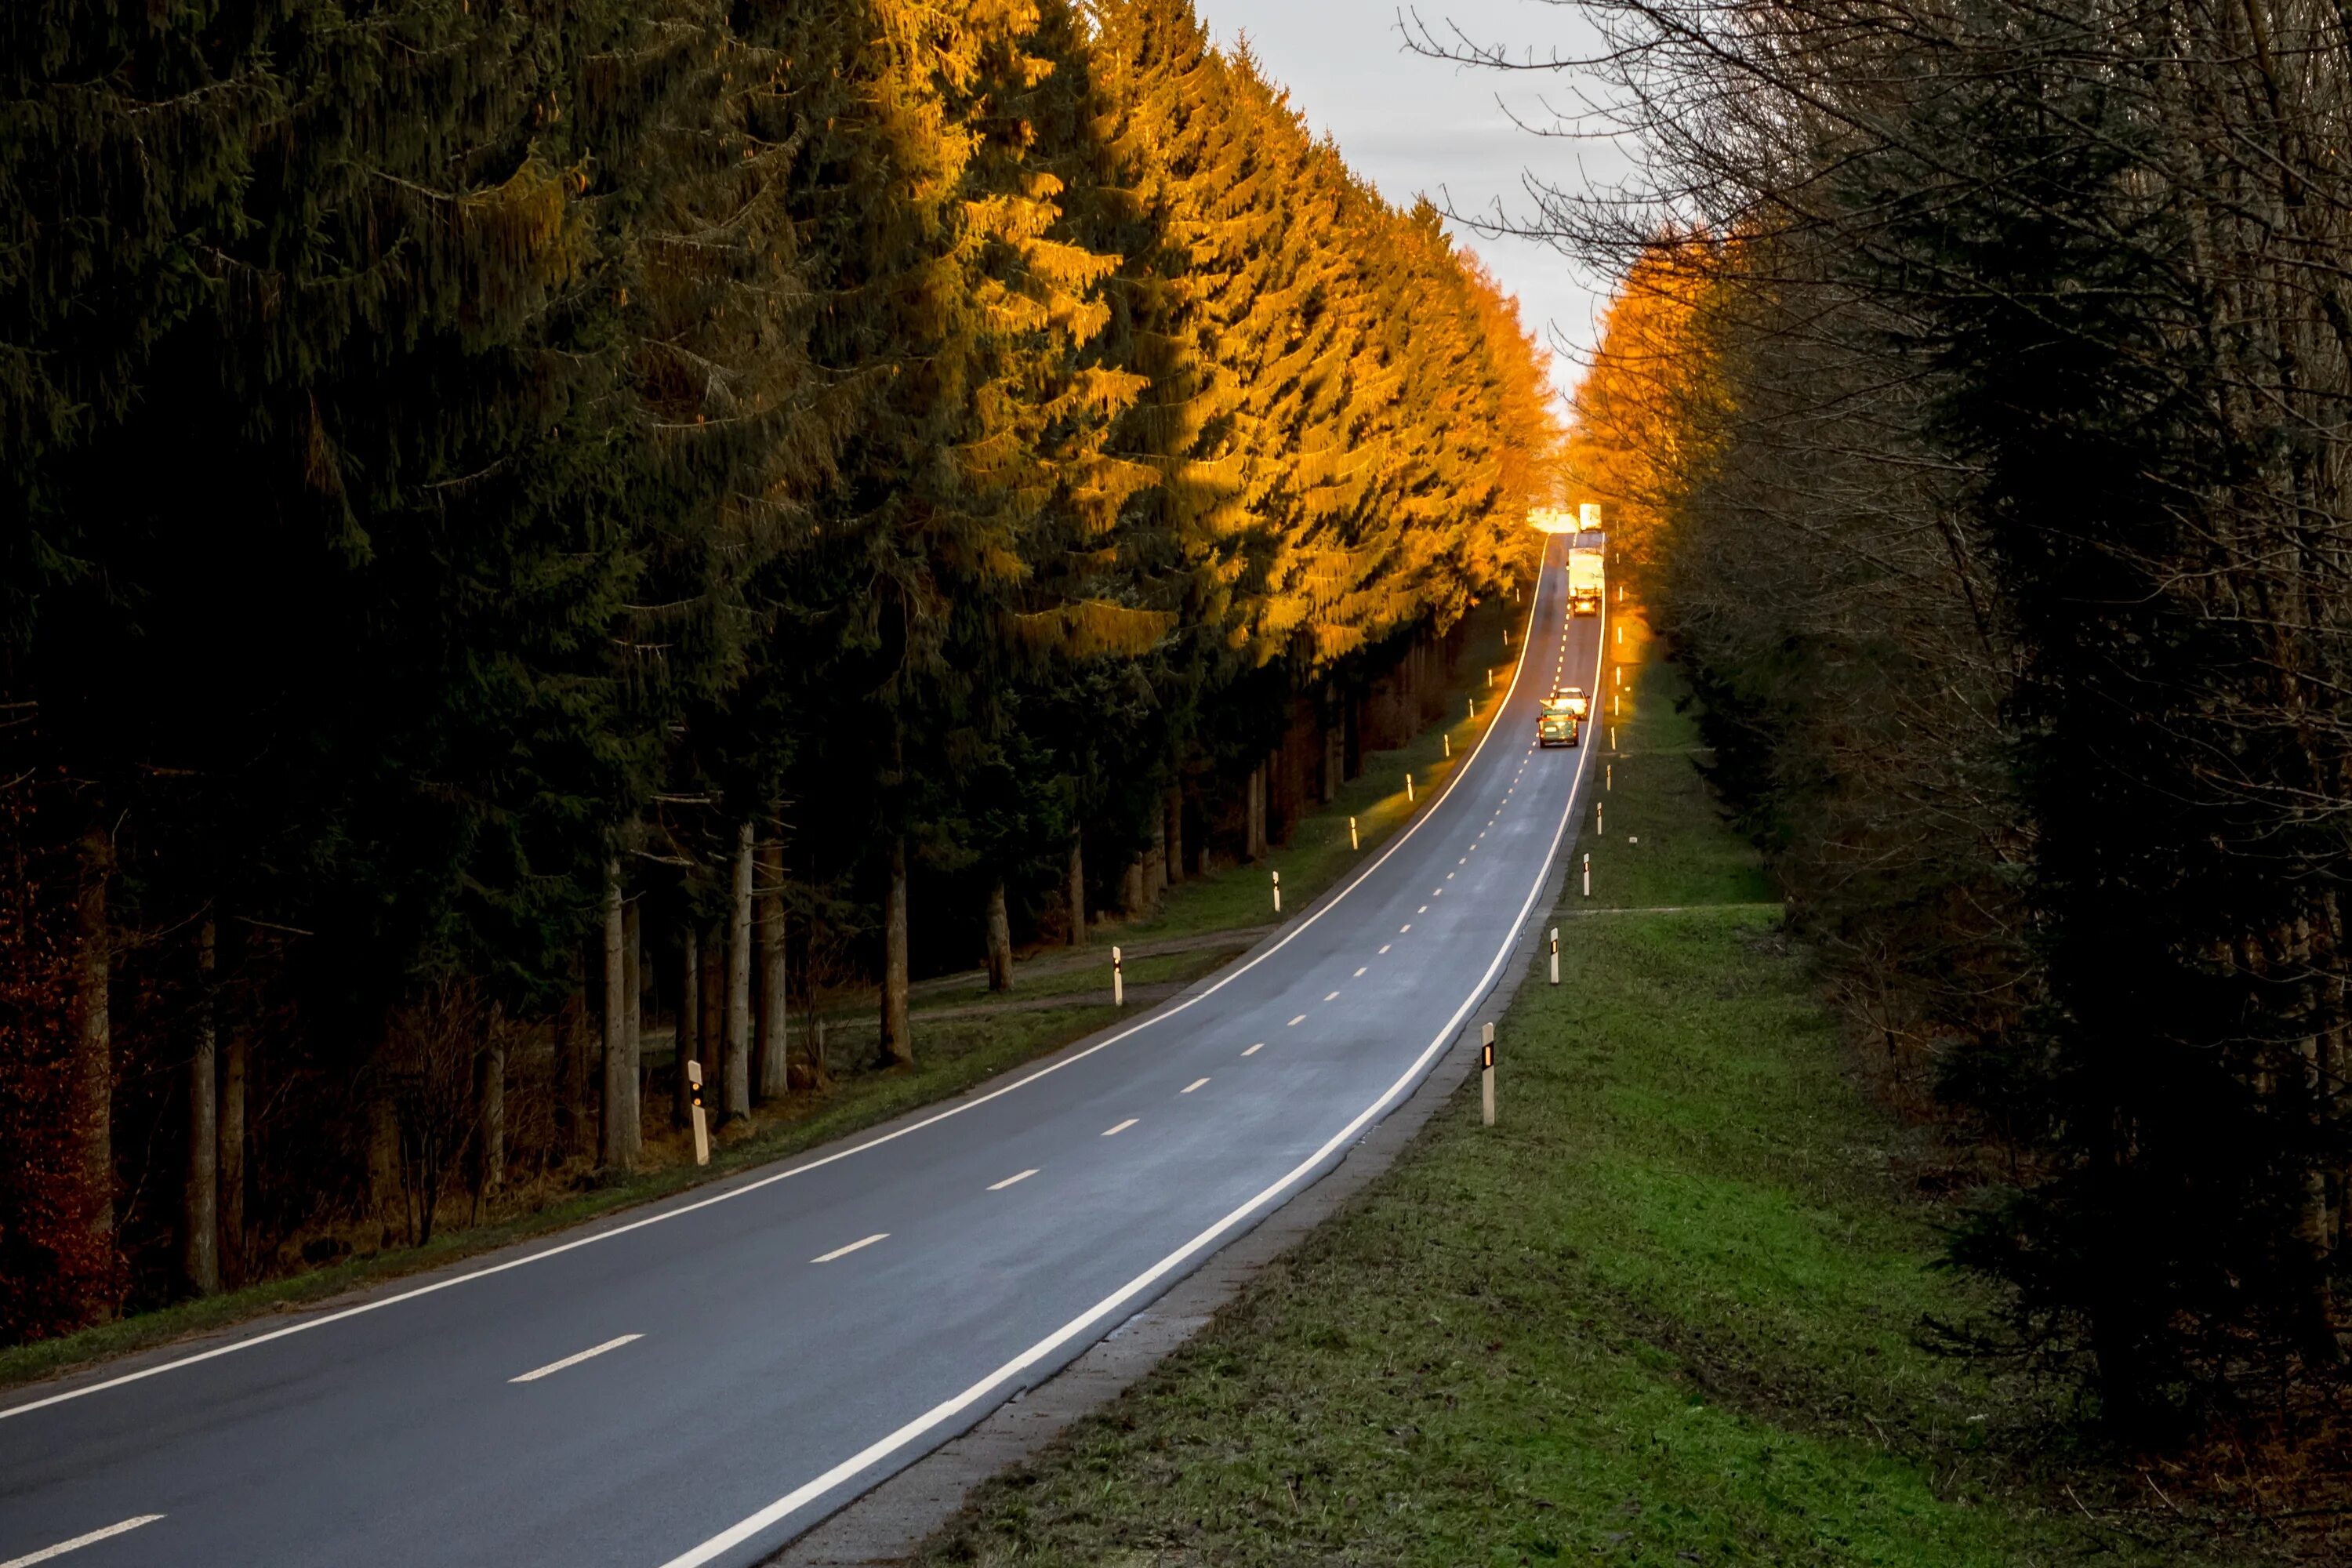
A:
x: 1174, y: 831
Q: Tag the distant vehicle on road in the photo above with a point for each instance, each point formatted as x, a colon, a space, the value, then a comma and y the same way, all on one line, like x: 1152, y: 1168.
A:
x: 1559, y: 722
x: 1577, y: 703
x: 1585, y: 574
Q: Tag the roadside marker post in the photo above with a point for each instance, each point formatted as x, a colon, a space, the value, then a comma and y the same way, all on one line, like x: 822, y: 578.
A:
x: 1588, y: 875
x: 1612, y: 737
x: 1486, y: 1071
x: 1555, y: 955
x: 1608, y: 777
x: 1119, y: 978
x: 1474, y: 708
x: 1277, y: 892
x: 1596, y: 818
x: 1353, y: 843
x: 702, y: 1118
x: 1408, y: 781
x: 1447, y: 736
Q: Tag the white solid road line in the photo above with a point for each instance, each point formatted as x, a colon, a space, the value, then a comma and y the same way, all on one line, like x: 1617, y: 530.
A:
x: 1000, y: 1186
x: 1115, y: 1132
x: 853, y: 1247
x: 79, y: 1542
x: 948, y: 1409
x: 746, y: 1189
x: 1255, y: 1050
x: 576, y: 1358
x: 1192, y: 1086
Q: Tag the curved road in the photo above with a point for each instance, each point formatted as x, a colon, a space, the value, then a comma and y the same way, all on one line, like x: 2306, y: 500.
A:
x: 731, y: 1365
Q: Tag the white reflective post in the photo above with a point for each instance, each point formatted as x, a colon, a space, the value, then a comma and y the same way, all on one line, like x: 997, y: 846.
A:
x: 1277, y: 892
x: 1486, y: 1072
x: 1555, y: 955
x: 1587, y: 875
x: 702, y: 1120
x: 1353, y: 842
x: 1117, y: 980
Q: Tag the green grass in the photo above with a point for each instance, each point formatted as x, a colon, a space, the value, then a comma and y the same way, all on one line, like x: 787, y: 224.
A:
x: 1669, y: 1311
x: 953, y: 1054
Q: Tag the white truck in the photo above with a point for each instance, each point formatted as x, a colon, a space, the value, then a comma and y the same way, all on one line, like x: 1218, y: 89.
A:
x: 1585, y: 576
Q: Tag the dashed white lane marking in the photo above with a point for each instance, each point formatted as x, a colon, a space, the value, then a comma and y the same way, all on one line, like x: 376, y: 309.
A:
x: 79, y: 1542
x: 1422, y: 911
x: 1360, y: 974
x: 1000, y: 1186
x: 845, y: 1251
x: 1333, y: 998
x: 1192, y: 1086
x: 1386, y: 945
x: 1403, y: 928
x: 575, y: 1360
x: 1255, y: 1050
x: 1296, y: 1022
x: 1115, y: 1132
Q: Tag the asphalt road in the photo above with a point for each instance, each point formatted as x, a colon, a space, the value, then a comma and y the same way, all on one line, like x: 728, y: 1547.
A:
x: 767, y: 1350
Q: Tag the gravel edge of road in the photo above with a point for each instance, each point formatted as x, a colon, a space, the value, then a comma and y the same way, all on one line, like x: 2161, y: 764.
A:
x: 882, y: 1526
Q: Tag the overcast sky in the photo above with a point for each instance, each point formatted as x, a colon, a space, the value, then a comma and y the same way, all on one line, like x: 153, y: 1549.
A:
x: 1414, y: 125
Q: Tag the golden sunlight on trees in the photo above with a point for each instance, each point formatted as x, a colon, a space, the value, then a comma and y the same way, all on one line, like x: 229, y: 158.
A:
x: 1637, y: 413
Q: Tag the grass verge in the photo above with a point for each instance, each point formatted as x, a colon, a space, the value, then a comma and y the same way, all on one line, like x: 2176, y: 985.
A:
x: 953, y: 1053
x: 1669, y: 1311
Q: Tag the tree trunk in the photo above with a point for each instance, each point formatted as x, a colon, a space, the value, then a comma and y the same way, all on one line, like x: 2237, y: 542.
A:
x: 1155, y: 861
x: 200, y: 1211
x: 739, y: 982
x: 897, y: 1045
x: 633, y: 938
x: 490, y: 1112
x: 231, y: 1186
x: 690, y: 1023
x: 1076, y: 896
x: 1254, y: 814
x: 620, y: 1122
x: 1334, y: 756
x: 712, y: 992
x: 93, y: 1061
x: 775, y: 1075
x: 1175, y: 832
x: 1000, y: 939
x: 1130, y: 888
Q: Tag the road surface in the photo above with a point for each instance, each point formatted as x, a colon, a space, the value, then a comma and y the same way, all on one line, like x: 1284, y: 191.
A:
x: 705, y: 1381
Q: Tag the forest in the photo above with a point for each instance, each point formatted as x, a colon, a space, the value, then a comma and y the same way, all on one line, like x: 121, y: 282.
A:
x: 1976, y: 414
x: 518, y: 515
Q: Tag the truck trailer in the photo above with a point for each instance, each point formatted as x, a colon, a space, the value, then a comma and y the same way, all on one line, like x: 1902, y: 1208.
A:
x: 1585, y: 575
